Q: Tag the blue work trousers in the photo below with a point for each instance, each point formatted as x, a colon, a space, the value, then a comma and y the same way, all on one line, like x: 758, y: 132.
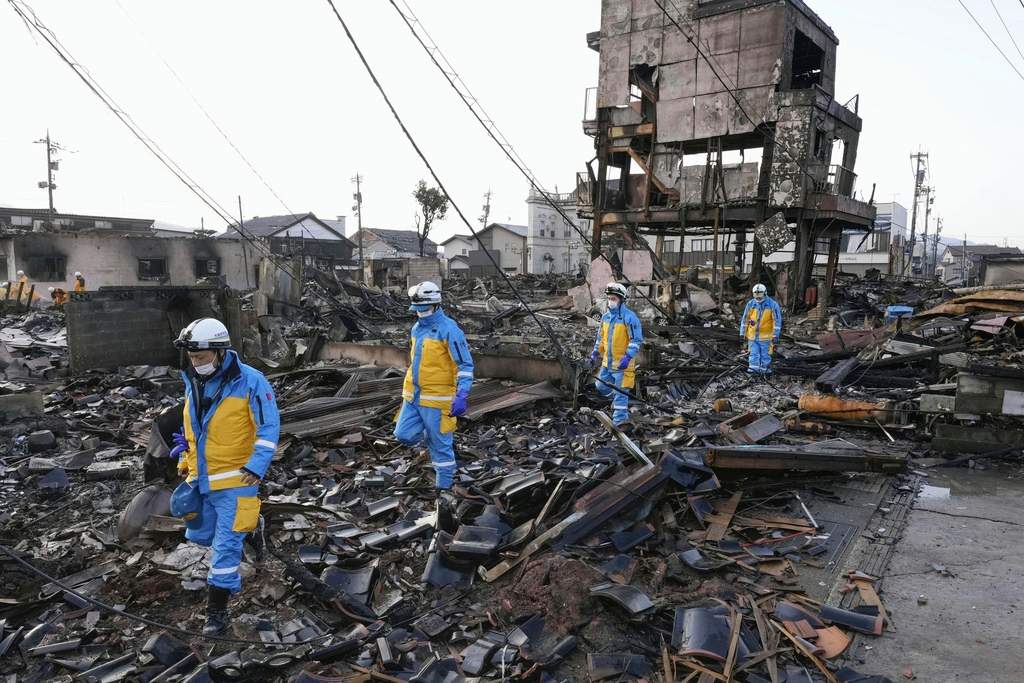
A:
x: 225, y: 519
x: 418, y: 425
x: 759, y: 359
x: 620, y: 396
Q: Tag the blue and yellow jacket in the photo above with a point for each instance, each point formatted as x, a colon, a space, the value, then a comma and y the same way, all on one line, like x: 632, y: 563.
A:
x: 231, y: 422
x: 440, y: 364
x: 762, y: 320
x: 620, y: 333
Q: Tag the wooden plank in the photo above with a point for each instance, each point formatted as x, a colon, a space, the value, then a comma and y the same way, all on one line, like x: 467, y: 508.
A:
x: 817, y: 661
x: 723, y: 518
x: 642, y: 163
x: 735, y: 620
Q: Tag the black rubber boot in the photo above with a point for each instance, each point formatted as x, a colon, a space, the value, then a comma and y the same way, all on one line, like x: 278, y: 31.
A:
x: 217, y: 618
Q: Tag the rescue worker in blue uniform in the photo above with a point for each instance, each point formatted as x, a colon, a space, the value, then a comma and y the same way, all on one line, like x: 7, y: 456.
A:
x: 437, y: 383
x: 618, y: 343
x: 761, y: 326
x: 230, y: 434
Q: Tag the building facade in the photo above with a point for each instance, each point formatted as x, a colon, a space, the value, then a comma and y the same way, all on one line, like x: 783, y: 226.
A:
x: 506, y: 244
x: 123, y: 260
x: 726, y: 138
x: 552, y: 244
x: 320, y: 244
x: 392, y: 244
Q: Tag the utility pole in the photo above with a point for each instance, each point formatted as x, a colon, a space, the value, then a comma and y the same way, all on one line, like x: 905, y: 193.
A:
x: 486, y: 209
x: 935, y: 246
x: 929, y: 199
x: 245, y: 247
x: 51, y: 166
x: 963, y: 263
x: 919, y: 174
x: 358, y: 208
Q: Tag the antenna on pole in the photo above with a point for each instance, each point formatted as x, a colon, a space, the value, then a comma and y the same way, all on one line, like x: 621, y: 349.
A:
x: 486, y: 208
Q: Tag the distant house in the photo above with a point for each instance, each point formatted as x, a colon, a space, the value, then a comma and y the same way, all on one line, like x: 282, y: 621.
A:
x: 391, y: 244
x: 506, y: 244
x: 956, y: 267
x: 320, y: 243
x: 458, y: 265
x: 458, y: 245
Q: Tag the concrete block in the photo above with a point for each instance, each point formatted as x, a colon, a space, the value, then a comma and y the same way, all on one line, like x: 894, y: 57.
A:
x: 43, y: 440
x: 21, y: 405
x: 107, y: 470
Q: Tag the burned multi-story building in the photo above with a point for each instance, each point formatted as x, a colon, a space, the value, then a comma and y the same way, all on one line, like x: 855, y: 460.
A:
x: 719, y: 117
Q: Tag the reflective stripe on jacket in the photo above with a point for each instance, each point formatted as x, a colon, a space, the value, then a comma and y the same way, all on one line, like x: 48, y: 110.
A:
x: 440, y: 364
x: 620, y: 333
x: 762, y: 320
x: 239, y: 426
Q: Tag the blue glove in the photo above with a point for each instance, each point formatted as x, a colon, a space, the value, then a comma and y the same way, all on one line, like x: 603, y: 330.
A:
x: 593, y: 359
x: 624, y: 363
x: 180, y: 445
x: 459, y: 404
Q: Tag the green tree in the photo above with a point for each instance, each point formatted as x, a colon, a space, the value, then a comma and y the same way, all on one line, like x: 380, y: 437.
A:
x: 433, y: 207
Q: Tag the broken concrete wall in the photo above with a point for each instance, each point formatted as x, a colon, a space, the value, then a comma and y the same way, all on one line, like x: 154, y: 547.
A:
x: 279, y: 287
x: 422, y: 270
x: 137, y: 325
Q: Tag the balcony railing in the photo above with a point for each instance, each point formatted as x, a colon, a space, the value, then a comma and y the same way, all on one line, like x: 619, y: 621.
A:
x: 584, y: 192
x: 834, y: 179
x: 557, y: 197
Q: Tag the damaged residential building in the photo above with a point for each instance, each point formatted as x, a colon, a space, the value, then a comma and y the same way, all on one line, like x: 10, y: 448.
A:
x: 127, y: 252
x: 723, y: 122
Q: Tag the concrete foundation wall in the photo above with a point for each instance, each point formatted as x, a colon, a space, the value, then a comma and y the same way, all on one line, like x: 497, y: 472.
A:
x: 422, y: 270
x: 137, y: 325
x: 113, y: 260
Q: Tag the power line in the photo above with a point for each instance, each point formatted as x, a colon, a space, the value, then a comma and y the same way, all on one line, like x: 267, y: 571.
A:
x: 419, y: 152
x: 1008, y: 32
x: 209, y: 117
x: 36, y: 24
x: 492, y: 130
x: 994, y: 43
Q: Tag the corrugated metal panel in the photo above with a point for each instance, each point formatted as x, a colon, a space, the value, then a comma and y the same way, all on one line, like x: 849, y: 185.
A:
x: 615, y: 18
x: 613, y: 83
x: 725, y: 65
x: 645, y: 47
x: 763, y: 26
x: 678, y: 80
x: 675, y: 120
x: 713, y: 115
x: 760, y: 66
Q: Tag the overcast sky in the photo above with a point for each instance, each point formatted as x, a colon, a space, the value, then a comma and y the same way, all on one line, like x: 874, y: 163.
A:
x: 283, y: 82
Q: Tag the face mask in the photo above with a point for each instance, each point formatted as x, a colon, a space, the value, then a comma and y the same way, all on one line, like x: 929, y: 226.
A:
x: 759, y: 297
x: 424, y: 314
x: 613, y: 304
x: 205, y: 370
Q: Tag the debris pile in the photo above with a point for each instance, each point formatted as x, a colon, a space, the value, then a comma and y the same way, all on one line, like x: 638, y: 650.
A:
x: 739, y: 528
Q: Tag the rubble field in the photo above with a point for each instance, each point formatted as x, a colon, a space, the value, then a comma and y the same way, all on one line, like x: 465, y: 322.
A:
x: 740, y: 528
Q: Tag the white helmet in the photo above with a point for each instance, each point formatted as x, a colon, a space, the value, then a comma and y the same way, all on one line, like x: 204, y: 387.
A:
x: 78, y: 274
x: 20, y: 273
x: 425, y: 293
x: 615, y: 289
x: 50, y: 289
x: 760, y: 289
x: 202, y: 334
